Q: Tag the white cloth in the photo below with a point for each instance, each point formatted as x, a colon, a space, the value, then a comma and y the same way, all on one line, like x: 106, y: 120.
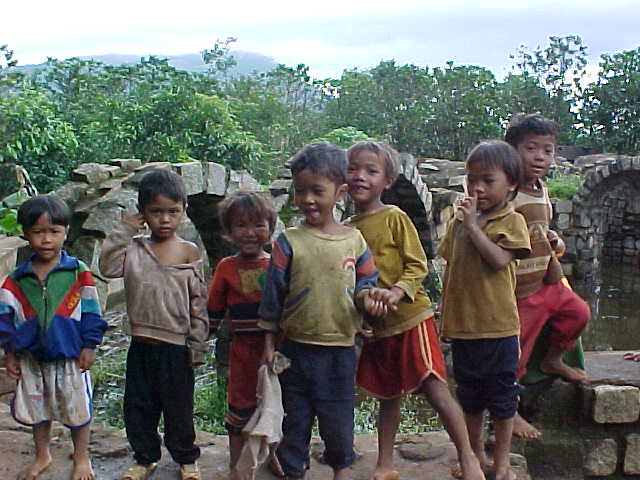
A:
x: 263, y: 431
x: 48, y: 391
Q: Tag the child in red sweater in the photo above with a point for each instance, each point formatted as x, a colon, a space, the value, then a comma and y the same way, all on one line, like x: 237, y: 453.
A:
x: 248, y: 221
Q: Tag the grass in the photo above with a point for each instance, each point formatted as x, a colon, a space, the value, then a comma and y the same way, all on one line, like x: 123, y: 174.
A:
x: 210, y: 400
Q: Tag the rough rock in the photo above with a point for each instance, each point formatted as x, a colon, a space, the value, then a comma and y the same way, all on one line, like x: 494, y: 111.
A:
x: 91, y: 173
x: 616, y: 404
x: 600, y: 457
x: 126, y: 164
x: 632, y: 455
x: 191, y: 173
x: 215, y: 178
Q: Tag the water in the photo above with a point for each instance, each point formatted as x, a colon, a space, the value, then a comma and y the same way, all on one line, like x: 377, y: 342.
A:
x: 615, y: 304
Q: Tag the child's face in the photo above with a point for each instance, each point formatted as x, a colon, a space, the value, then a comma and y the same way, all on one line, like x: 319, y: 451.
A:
x: 490, y: 185
x: 45, y: 238
x: 367, y: 179
x: 249, y: 234
x: 537, y: 152
x: 315, y: 195
x: 163, y: 216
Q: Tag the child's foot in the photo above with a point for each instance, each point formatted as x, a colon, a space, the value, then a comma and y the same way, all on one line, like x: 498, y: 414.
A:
x: 82, y: 469
x: 558, y: 367
x: 190, y: 471
x: 31, y: 471
x: 505, y: 474
x: 475, y: 470
x: 635, y: 356
x: 383, y: 474
x: 139, y: 472
x: 523, y: 429
x: 274, y: 466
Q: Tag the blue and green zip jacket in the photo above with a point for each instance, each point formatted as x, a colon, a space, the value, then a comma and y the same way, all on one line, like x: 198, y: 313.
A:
x: 53, y: 320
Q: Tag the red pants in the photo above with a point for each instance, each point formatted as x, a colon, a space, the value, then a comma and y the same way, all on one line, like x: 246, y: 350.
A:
x: 557, y: 305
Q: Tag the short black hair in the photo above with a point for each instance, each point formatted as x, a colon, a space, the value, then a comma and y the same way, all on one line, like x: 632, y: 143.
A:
x: 252, y: 204
x: 522, y: 125
x: 389, y: 155
x: 497, y: 154
x: 161, y: 182
x: 322, y: 158
x: 31, y: 210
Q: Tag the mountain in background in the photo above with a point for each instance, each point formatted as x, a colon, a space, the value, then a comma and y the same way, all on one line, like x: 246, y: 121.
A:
x: 247, y: 62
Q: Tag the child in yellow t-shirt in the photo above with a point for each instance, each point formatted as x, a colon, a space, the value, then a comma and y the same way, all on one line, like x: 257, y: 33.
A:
x: 479, y: 312
x: 405, y: 355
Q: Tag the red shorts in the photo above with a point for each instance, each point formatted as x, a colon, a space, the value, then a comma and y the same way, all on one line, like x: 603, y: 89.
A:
x: 397, y: 365
x: 557, y: 305
x: 244, y: 360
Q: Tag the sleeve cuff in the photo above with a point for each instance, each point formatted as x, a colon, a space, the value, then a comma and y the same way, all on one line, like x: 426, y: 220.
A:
x: 268, y: 325
x: 407, y: 288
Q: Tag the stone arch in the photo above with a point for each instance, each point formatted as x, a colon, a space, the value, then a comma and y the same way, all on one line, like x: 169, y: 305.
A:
x: 604, y: 221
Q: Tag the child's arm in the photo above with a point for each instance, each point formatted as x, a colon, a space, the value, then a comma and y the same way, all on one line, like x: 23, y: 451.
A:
x: 276, y: 288
x: 496, y: 256
x: 199, y: 319
x: 8, y: 322
x: 217, y: 300
x: 367, y: 296
x: 115, y: 245
x: 556, y: 242
x: 92, y: 325
x: 269, y: 349
x: 12, y: 363
x: 414, y: 260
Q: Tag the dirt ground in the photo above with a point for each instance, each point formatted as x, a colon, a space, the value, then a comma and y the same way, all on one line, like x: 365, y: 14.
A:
x: 425, y: 456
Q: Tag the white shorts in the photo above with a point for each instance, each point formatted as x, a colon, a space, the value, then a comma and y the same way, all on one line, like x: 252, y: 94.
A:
x: 49, y: 391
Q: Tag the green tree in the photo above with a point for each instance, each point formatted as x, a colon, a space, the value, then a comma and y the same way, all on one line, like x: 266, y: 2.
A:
x: 559, y: 69
x: 344, y: 137
x: 611, y: 111
x: 33, y: 136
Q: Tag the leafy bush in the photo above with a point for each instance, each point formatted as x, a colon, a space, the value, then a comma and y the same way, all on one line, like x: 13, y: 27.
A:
x: 564, y: 186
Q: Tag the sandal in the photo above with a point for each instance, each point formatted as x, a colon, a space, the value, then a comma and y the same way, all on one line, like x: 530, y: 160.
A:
x: 139, y: 472
x: 189, y: 471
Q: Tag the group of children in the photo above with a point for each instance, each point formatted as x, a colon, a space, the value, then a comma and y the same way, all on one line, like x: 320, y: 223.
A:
x: 324, y: 283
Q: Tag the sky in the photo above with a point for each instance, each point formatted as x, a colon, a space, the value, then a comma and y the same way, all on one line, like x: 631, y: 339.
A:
x: 327, y: 36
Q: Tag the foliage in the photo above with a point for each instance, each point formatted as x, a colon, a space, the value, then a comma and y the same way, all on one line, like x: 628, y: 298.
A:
x: 72, y: 111
x: 564, y: 186
x: 344, y: 137
x: 439, y: 112
x: 559, y: 69
x: 611, y: 115
x: 9, y: 222
x: 282, y: 108
x: 32, y: 135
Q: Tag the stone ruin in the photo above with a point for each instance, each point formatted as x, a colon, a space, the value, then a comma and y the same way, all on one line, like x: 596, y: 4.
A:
x: 597, y: 433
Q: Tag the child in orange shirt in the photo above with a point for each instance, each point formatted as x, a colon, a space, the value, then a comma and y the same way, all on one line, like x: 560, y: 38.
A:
x: 405, y: 356
x: 248, y: 221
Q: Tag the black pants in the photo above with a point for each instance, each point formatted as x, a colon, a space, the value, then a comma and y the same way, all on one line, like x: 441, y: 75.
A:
x: 159, y: 380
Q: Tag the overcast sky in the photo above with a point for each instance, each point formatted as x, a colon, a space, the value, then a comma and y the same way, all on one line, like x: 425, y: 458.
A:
x: 327, y: 36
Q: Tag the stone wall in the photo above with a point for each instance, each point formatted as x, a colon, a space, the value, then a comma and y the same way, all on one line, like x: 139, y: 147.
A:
x: 587, y: 430
x: 98, y: 195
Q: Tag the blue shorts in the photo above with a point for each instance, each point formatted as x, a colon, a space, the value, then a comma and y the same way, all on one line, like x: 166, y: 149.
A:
x: 319, y: 383
x: 485, y: 372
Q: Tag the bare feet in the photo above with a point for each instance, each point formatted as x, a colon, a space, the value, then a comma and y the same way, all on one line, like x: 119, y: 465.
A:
x: 385, y: 475
x: 473, y: 469
x: 505, y: 474
x: 558, y: 367
x: 523, y: 429
x: 82, y: 469
x: 635, y: 356
x: 31, y: 471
